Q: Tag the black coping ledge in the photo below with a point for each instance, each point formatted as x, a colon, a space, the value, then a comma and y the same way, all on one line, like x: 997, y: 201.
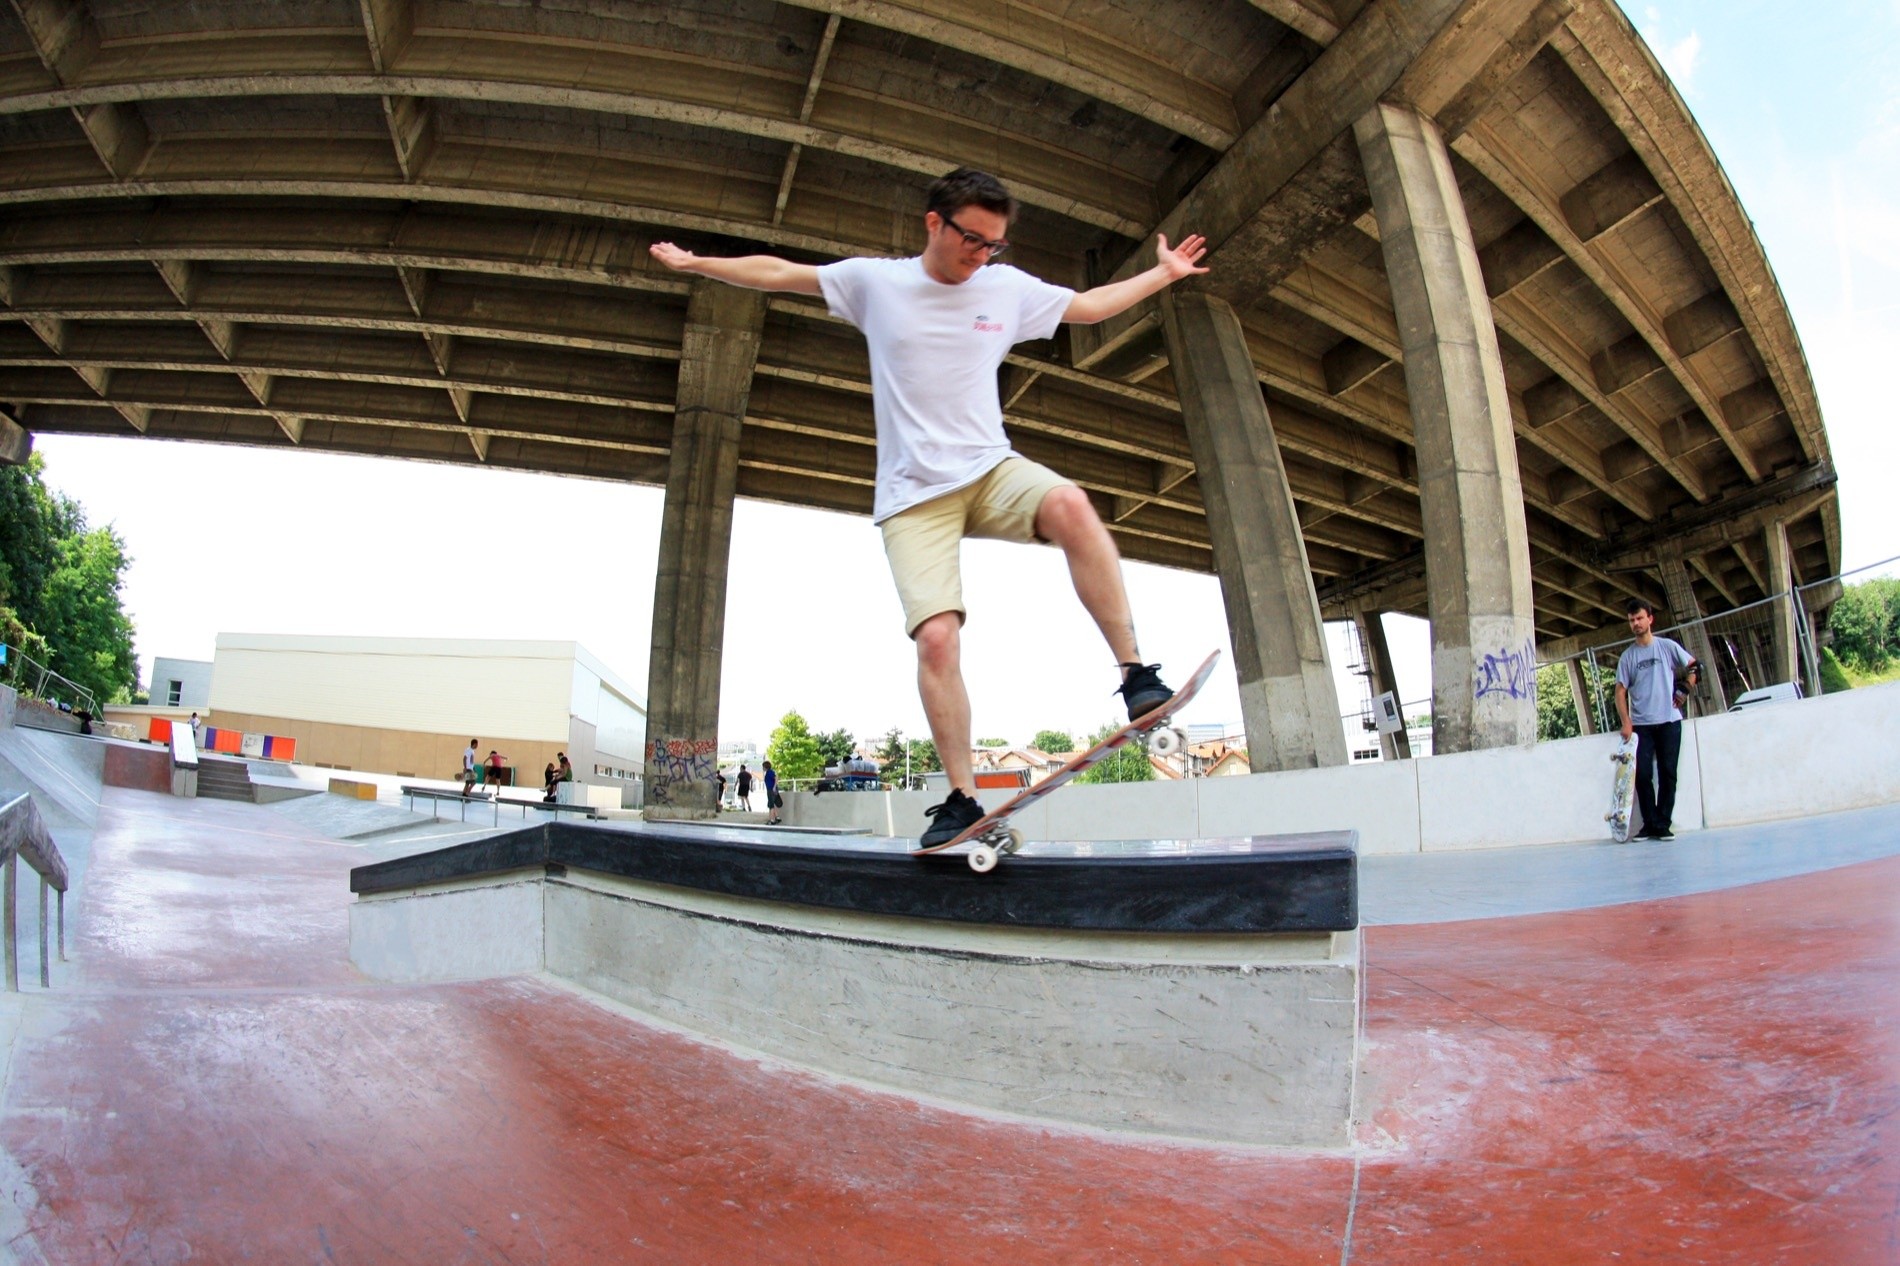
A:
x: 1291, y: 883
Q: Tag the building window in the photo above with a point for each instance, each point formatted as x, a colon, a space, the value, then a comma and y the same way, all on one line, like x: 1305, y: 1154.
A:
x: 174, y: 694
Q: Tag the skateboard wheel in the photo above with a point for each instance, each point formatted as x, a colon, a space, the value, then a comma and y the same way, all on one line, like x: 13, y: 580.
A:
x: 1165, y: 741
x: 982, y: 859
x: 1015, y: 842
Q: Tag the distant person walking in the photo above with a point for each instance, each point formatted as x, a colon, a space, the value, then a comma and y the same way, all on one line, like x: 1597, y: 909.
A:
x: 1646, y: 701
x: 772, y: 803
x: 745, y: 789
x: 469, y: 769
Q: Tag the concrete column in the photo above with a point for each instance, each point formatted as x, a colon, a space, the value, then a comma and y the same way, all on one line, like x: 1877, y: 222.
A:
x: 1287, y: 699
x: 1477, y: 551
x: 717, y: 355
x: 1679, y: 594
x: 1785, y: 652
x: 15, y: 442
x: 1580, y: 695
x: 1379, y: 659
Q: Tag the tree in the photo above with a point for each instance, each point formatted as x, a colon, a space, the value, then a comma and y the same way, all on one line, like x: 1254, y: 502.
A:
x: 60, y: 586
x: 992, y: 742
x: 1052, y: 741
x: 1834, y: 678
x: 836, y: 747
x: 793, y: 751
x: 1865, y: 624
x: 923, y: 757
x: 891, y: 746
x: 1556, y: 705
x: 1129, y: 764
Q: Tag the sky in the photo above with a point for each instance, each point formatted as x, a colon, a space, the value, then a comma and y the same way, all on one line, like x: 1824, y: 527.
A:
x: 1804, y: 117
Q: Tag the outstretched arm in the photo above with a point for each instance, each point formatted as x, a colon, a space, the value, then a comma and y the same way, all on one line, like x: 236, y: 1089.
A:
x: 1118, y: 296
x: 754, y: 272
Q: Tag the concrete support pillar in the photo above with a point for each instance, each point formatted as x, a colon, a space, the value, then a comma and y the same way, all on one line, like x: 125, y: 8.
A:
x: 1477, y: 550
x: 15, y: 442
x: 1679, y: 595
x: 1379, y: 659
x: 1287, y: 699
x: 717, y: 355
x: 1580, y: 695
x: 1785, y: 652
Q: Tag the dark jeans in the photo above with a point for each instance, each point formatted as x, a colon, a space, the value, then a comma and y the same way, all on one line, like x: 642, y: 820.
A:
x: 1657, y: 747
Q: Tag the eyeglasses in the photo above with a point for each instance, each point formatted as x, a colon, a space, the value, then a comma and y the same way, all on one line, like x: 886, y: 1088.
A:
x: 975, y: 242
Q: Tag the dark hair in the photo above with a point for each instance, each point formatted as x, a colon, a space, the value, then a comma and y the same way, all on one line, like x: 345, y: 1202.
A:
x: 1638, y: 604
x: 968, y: 187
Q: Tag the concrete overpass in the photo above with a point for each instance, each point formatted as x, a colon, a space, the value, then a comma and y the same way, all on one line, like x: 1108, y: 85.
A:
x: 1489, y: 338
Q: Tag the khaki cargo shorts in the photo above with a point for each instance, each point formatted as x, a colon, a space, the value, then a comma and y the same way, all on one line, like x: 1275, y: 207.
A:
x: 923, y: 542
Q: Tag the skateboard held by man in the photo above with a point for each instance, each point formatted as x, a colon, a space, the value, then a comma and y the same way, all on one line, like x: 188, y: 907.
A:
x: 1621, y: 816
x: 995, y: 837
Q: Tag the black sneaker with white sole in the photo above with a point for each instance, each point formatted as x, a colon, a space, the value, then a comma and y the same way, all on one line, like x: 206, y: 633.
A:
x: 1143, y: 690
x: 950, y: 819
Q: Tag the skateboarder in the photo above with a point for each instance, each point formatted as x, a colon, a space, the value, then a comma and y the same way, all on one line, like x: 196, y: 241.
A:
x: 938, y: 326
x: 1645, y: 690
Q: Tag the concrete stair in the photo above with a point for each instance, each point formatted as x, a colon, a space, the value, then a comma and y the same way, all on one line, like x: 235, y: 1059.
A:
x: 225, y: 780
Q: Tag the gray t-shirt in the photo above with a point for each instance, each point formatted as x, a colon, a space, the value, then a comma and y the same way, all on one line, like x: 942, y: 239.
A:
x: 1649, y: 674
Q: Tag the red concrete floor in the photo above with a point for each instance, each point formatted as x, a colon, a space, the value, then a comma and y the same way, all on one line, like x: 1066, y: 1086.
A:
x: 1705, y: 1079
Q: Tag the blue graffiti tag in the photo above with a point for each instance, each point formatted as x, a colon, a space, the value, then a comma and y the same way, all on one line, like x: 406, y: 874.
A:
x: 1509, y: 672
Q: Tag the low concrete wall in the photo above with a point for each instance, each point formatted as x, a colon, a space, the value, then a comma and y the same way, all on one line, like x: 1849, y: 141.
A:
x: 1241, y: 1039
x: 139, y: 766
x: 1763, y: 763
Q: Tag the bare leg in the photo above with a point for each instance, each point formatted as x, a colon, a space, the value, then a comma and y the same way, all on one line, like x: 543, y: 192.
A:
x: 946, y: 702
x: 1068, y: 520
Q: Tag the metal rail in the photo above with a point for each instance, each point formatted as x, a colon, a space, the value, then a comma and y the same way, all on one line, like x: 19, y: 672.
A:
x: 23, y: 835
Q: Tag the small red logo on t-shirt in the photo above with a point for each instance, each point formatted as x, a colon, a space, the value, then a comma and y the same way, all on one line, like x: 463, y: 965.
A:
x: 986, y: 326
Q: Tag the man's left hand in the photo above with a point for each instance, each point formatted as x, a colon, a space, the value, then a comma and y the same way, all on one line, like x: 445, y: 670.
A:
x: 1183, y: 260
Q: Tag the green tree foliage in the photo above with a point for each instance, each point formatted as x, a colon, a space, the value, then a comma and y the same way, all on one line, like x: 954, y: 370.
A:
x: 891, y: 746
x: 1556, y: 706
x: 1130, y: 764
x: 923, y: 757
x: 793, y: 751
x: 1063, y: 742
x: 834, y: 748
x: 992, y: 742
x: 1834, y: 678
x: 1865, y: 623
x: 60, y: 586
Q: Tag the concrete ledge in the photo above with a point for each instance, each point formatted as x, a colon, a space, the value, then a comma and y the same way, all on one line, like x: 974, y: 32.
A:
x: 354, y: 788
x: 139, y: 766
x: 1237, y: 1039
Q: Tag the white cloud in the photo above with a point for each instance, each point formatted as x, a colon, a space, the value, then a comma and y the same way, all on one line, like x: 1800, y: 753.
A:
x: 1679, y: 57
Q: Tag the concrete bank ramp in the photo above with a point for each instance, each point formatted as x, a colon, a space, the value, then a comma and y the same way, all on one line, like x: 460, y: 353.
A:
x: 63, y: 772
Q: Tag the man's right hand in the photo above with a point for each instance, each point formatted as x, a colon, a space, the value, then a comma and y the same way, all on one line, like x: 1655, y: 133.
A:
x: 674, y: 257
x: 1629, y: 730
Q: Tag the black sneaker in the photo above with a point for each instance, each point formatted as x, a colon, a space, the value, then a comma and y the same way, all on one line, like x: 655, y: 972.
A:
x: 1143, y: 690
x: 1662, y: 833
x: 950, y: 819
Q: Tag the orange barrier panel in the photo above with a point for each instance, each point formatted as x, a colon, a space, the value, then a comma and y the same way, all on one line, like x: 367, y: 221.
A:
x: 161, y: 731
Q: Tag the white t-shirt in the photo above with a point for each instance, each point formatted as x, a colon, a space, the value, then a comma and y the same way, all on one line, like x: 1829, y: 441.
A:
x: 935, y: 349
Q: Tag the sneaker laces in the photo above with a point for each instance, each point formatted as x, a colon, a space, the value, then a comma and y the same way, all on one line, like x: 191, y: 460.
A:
x: 1153, y: 670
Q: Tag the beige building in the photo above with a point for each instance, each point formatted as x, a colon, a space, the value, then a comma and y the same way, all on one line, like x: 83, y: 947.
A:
x: 410, y: 705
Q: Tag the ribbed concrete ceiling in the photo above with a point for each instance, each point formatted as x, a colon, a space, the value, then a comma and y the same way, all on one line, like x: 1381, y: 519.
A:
x: 419, y: 229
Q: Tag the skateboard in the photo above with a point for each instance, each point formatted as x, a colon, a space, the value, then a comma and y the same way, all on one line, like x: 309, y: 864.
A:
x: 1623, y: 790
x: 996, y: 838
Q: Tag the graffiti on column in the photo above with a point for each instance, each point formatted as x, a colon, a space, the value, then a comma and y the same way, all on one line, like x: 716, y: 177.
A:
x: 1512, y: 672
x: 678, y: 763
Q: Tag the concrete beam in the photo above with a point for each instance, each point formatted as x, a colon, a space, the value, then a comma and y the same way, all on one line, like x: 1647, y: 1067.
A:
x: 1288, y: 702
x: 718, y: 351
x: 1478, y: 572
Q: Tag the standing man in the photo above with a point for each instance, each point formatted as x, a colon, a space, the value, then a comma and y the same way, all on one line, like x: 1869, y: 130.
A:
x: 938, y: 326
x: 772, y: 801
x: 1645, y: 699
x: 468, y: 769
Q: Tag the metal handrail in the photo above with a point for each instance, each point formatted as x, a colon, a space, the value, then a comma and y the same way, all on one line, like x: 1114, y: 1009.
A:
x: 24, y: 835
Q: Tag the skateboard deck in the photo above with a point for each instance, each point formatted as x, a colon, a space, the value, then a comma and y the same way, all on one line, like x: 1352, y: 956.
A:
x: 993, y: 834
x: 1621, y: 816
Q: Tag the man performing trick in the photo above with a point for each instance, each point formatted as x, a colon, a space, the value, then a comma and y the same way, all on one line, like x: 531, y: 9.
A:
x: 938, y: 326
